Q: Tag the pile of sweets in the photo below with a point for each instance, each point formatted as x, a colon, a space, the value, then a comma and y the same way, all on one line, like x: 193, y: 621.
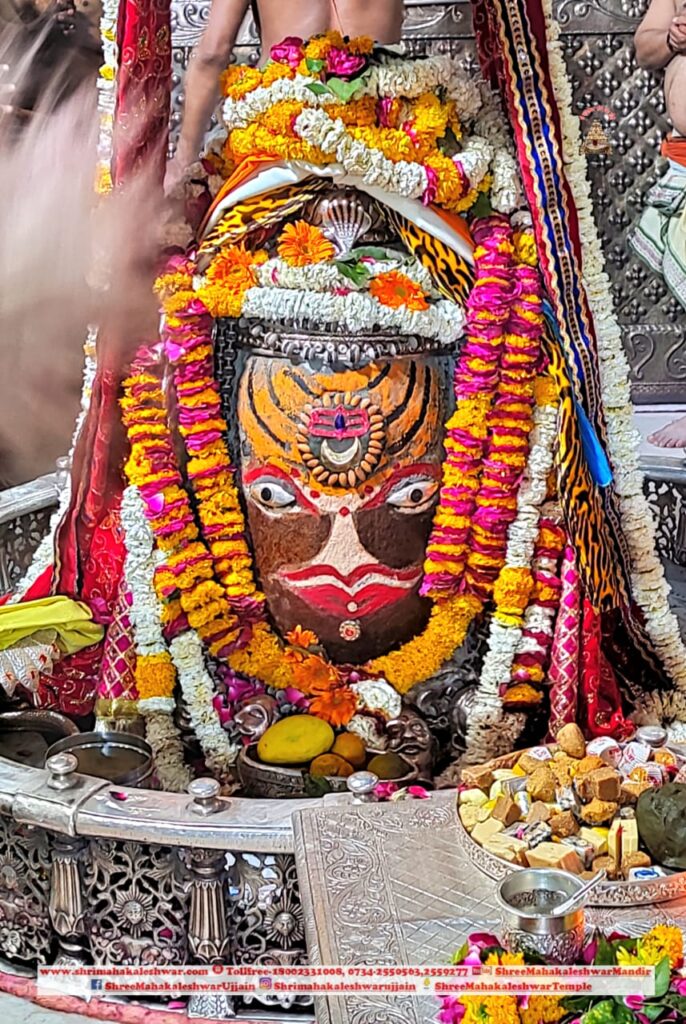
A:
x: 570, y: 805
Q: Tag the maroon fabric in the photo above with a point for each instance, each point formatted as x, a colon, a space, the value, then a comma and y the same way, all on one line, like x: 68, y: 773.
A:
x: 140, y: 136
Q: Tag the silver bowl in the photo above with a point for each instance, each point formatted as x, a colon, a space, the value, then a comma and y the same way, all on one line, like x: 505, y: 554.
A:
x: 278, y: 782
x: 117, y: 756
x: 527, y: 901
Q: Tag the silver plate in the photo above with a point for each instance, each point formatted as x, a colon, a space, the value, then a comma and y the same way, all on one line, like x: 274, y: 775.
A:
x: 607, y: 894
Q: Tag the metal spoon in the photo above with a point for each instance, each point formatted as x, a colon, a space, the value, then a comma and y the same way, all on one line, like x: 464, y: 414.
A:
x: 570, y: 903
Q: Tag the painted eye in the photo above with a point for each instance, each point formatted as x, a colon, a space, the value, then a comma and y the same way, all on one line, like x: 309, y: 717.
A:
x: 413, y: 496
x: 271, y: 494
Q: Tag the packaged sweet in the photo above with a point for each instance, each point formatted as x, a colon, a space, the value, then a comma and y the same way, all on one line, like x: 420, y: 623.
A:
x: 605, y: 748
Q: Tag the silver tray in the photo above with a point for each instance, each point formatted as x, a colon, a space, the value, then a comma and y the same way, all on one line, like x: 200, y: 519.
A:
x: 606, y: 894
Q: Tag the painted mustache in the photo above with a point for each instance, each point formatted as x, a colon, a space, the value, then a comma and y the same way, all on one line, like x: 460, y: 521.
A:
x: 365, y: 590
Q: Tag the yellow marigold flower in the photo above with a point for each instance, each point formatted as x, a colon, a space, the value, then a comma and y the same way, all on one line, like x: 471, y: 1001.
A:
x: 490, y: 1010
x: 512, y: 590
x: 302, y: 244
x: 396, y: 290
x: 525, y: 248
x: 239, y: 79
x: 275, y: 71
x: 318, y: 47
x: 661, y: 941
x: 542, y: 1010
x: 361, y: 45
x: 155, y: 675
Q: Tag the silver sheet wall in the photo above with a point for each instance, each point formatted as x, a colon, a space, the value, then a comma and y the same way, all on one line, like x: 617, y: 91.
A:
x: 610, y: 90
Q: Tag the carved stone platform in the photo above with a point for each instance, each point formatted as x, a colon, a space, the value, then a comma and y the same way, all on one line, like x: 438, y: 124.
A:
x: 388, y: 884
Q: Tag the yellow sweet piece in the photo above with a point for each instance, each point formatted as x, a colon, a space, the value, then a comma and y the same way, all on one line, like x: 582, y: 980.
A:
x: 597, y: 838
x: 472, y: 796
x: 490, y: 805
x: 350, y: 747
x: 331, y: 764
x: 501, y: 774
x: 295, y: 740
x: 614, y: 841
x: 497, y: 789
x: 518, y: 772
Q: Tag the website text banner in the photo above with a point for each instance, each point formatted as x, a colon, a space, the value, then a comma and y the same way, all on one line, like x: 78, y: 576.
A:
x: 94, y: 982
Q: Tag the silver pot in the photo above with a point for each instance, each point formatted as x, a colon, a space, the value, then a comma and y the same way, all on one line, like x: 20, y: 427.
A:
x: 527, y: 901
x: 119, y: 757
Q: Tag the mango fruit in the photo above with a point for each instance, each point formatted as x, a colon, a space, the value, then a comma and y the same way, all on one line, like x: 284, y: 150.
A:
x: 350, y: 747
x: 295, y: 740
x: 332, y: 765
x: 388, y: 766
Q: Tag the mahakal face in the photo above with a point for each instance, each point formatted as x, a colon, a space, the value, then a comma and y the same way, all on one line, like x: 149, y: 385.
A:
x: 341, y: 474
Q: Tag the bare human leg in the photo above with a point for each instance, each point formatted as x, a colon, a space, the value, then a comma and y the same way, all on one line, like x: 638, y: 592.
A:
x: 671, y: 436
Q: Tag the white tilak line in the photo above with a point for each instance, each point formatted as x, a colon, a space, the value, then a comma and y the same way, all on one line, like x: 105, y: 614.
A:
x: 322, y: 581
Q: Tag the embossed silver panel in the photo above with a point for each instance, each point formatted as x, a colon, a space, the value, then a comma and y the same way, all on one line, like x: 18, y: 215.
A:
x: 389, y: 884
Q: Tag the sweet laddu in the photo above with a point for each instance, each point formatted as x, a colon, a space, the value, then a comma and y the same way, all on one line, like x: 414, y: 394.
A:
x: 371, y: 429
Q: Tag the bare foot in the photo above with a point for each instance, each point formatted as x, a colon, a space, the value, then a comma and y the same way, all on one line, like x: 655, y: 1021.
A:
x: 671, y: 436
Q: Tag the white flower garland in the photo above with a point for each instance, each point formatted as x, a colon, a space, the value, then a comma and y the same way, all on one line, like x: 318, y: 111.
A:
x: 650, y: 589
x: 326, y: 277
x: 401, y: 80
x: 358, y: 311
x: 139, y: 571
x: 491, y: 730
x: 401, y: 177
x: 198, y: 692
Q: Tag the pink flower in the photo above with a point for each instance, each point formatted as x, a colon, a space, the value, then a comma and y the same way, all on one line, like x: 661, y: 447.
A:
x: 417, y: 792
x: 343, y: 64
x: 295, y: 697
x: 289, y: 51
x: 431, y: 190
x: 679, y: 986
x: 383, y: 111
x: 473, y: 957
x: 483, y: 940
x: 590, y: 951
x: 385, y: 790
x: 452, y: 1011
x: 634, y: 1002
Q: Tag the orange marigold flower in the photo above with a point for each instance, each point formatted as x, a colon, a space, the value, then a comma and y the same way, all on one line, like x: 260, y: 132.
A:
x: 336, y: 706
x: 300, y: 637
x: 395, y: 290
x: 311, y: 673
x: 302, y: 244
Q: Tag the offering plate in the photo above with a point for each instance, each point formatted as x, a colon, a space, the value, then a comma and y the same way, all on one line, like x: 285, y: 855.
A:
x: 633, y: 893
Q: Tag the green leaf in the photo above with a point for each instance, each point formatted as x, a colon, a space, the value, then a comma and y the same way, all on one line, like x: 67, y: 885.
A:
x: 482, y: 207
x: 605, y: 954
x: 675, y: 1002
x: 461, y: 954
x: 315, y: 785
x: 355, y: 272
x: 315, y: 66
x: 663, y: 975
x: 317, y: 88
x: 344, y: 91
x: 374, y: 252
x: 653, y: 1010
x: 577, y: 1004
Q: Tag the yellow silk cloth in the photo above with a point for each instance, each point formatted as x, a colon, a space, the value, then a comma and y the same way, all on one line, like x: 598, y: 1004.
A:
x: 70, y: 621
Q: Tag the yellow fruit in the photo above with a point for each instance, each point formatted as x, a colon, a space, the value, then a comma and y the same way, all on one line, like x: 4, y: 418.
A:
x: 331, y: 764
x: 388, y: 766
x: 350, y: 747
x: 295, y: 740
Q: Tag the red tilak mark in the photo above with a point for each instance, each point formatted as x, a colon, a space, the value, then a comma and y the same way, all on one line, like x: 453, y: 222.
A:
x: 315, y: 494
x: 295, y: 472
x: 369, y: 490
x: 344, y: 511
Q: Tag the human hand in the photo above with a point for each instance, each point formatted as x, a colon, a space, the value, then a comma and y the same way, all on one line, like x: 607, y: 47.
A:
x: 175, y: 175
x: 677, y: 34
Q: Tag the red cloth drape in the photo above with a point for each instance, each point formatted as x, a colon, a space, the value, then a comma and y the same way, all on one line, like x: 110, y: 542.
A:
x: 140, y: 137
